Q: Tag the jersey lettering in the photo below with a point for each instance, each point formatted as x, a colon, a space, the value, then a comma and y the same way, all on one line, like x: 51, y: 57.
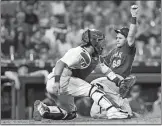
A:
x: 116, y: 59
x: 118, y: 54
x: 116, y: 63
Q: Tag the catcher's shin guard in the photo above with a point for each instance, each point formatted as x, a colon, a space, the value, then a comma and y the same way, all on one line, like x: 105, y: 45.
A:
x: 56, y: 113
x: 70, y: 115
x: 126, y: 84
x: 60, y: 115
x: 54, y: 116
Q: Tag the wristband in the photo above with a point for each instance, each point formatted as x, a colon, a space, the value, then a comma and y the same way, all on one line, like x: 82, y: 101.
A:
x: 57, y: 78
x: 133, y: 20
x: 112, y: 76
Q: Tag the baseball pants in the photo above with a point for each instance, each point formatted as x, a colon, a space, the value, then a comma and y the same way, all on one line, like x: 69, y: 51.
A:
x: 112, y: 92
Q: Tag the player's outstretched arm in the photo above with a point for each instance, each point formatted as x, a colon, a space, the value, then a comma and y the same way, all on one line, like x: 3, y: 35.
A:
x: 133, y: 26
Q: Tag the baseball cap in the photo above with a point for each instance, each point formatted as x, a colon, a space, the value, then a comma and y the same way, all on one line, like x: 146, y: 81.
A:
x: 123, y: 31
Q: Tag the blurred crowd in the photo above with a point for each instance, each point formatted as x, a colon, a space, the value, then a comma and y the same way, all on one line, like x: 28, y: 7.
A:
x: 45, y: 30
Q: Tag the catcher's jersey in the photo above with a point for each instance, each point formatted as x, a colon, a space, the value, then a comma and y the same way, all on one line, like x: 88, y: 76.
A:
x: 83, y: 73
x: 81, y: 63
x: 77, y: 58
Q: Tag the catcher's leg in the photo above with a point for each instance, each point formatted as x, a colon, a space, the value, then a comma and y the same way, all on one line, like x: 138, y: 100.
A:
x: 66, y: 101
x: 65, y: 111
x: 50, y: 112
x: 50, y: 99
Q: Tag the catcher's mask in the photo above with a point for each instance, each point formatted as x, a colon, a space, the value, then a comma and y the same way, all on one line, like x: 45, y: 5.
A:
x: 95, y: 38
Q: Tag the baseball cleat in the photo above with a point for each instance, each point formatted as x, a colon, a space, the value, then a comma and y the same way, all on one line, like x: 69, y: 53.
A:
x: 39, y: 110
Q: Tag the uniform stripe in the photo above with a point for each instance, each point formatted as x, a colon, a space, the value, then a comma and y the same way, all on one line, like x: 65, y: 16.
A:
x: 91, y: 90
x: 100, y: 99
x: 85, y: 57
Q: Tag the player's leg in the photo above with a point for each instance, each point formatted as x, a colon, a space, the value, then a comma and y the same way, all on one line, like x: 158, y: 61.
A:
x: 79, y: 87
x: 112, y: 92
x: 106, y: 84
x: 97, y: 111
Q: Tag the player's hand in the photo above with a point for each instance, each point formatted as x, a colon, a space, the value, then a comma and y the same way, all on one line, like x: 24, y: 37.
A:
x: 134, y: 10
x: 56, y: 88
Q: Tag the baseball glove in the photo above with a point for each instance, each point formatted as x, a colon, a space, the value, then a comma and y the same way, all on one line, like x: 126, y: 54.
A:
x: 126, y: 84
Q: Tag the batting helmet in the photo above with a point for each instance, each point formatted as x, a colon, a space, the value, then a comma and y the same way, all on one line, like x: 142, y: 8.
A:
x: 95, y: 38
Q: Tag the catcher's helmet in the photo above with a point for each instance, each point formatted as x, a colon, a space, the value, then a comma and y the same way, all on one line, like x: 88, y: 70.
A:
x: 95, y: 38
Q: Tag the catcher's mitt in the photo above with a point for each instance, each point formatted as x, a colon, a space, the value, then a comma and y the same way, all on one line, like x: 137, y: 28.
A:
x: 126, y: 84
